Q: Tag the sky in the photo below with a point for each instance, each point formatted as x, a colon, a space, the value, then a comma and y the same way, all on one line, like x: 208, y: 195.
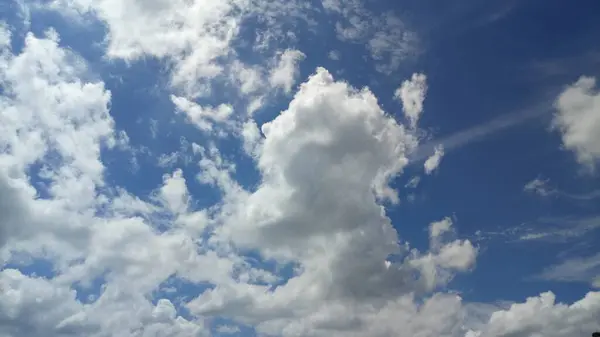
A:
x: 299, y: 168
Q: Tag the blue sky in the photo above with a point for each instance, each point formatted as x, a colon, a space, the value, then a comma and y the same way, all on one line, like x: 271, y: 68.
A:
x: 299, y: 168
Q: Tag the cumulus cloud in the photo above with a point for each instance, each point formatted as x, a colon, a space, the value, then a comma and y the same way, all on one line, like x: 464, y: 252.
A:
x: 62, y: 130
x: 317, y: 208
x: 542, y: 316
x: 412, y: 95
x: 578, y: 119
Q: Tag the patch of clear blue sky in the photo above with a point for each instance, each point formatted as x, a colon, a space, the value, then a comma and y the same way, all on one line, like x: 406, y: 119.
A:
x: 483, y: 60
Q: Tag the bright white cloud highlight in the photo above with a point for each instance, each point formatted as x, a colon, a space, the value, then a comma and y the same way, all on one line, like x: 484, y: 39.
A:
x: 578, y: 119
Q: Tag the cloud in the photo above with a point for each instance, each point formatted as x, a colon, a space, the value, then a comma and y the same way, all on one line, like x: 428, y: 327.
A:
x: 385, y: 36
x: 540, y: 187
x: 194, y: 38
x: 334, y: 55
x: 565, y: 229
x: 543, y: 188
x: 538, y: 317
x: 432, y: 163
x: 203, y: 117
x: 308, y: 250
x: 578, y: 120
x: 412, y: 95
x: 286, y: 72
x: 578, y: 269
x: 325, y: 162
x: 62, y: 131
x: 58, y: 208
x: 37, y: 307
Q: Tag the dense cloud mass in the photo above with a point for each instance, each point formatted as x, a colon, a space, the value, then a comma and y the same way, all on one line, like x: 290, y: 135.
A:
x: 307, y: 249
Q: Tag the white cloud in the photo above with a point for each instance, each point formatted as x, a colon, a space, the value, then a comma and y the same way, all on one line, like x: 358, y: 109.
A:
x: 384, y: 35
x: 565, y: 229
x: 174, y: 192
x: 412, y: 95
x: 36, y: 307
x: 439, y: 227
x: 250, y: 79
x: 284, y: 75
x: 203, y: 117
x: 578, y: 119
x: 51, y: 117
x: 192, y: 35
x: 324, y: 161
x: 432, y: 163
x: 542, y: 316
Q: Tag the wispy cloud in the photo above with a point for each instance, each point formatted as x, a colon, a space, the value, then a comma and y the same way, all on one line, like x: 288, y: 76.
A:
x: 482, y: 131
x: 550, y: 229
x: 543, y: 188
x: 578, y: 269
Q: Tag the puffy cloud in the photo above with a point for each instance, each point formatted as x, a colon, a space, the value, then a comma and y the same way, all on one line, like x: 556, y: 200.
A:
x: 196, y: 38
x: 439, y: 227
x: 53, y: 126
x: 332, y: 148
x: 174, y: 192
x: 412, y: 95
x: 325, y: 164
x: 542, y: 316
x: 192, y: 35
x: 432, y: 163
x: 37, y: 307
x: 578, y: 119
